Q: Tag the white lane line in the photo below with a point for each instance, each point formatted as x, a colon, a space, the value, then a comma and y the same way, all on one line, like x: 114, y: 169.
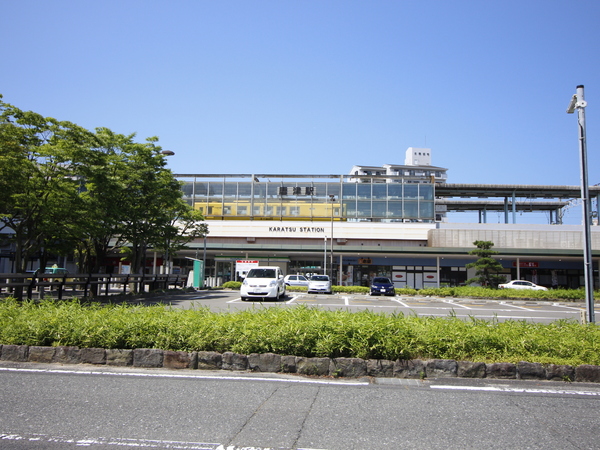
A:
x: 118, y: 442
x: 188, y: 376
x: 568, y: 307
x: 516, y: 306
x: 293, y: 299
x: 451, y: 302
x: 519, y: 390
x: 401, y: 302
x: 346, y: 301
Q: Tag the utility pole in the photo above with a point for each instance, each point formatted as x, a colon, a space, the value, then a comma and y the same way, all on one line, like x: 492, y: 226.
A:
x: 578, y: 103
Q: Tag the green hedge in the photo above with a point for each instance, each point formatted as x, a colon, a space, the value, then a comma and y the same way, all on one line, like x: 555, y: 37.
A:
x: 298, y: 330
x: 461, y: 291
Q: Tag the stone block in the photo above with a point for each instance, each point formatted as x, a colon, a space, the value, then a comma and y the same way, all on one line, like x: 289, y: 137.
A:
x: 560, y: 372
x: 66, y: 355
x: 210, y: 360
x: 435, y: 368
x: 348, y: 367
x: 92, y: 356
x: 382, y: 368
x: 530, y: 371
x: 15, y: 353
x: 119, y: 357
x: 264, y: 362
x: 469, y: 369
x: 148, y: 357
x: 41, y: 354
x: 501, y: 370
x: 412, y: 368
x: 587, y: 373
x: 312, y: 366
x: 179, y: 360
x: 234, y: 361
x: 288, y: 364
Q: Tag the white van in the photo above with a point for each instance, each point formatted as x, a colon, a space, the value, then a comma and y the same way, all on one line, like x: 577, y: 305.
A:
x: 263, y: 282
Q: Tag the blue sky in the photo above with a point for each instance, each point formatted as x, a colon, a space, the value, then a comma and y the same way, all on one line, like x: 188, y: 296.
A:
x: 318, y: 86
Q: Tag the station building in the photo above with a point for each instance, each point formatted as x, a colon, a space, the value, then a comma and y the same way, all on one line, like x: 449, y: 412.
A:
x: 389, y: 221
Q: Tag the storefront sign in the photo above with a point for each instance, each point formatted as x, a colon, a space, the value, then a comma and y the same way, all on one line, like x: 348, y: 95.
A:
x: 526, y: 264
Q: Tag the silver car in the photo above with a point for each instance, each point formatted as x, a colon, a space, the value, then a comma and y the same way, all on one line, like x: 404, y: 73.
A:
x: 522, y: 284
x: 295, y: 280
x: 319, y: 283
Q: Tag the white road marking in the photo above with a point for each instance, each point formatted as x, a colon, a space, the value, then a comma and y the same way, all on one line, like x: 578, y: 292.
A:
x: 451, y: 302
x: 519, y: 390
x: 189, y: 376
x: 516, y: 306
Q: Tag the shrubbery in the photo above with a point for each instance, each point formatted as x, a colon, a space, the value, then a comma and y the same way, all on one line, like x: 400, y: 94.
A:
x: 461, y: 292
x: 298, y: 330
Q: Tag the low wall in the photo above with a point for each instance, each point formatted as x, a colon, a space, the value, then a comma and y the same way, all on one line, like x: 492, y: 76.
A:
x: 270, y: 362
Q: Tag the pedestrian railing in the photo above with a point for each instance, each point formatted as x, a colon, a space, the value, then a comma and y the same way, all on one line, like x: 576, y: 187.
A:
x: 26, y: 285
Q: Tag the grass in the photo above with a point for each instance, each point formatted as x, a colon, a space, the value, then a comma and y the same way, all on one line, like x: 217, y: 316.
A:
x: 299, y: 331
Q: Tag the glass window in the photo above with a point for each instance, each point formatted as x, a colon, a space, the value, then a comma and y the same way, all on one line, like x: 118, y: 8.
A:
x: 349, y: 190
x: 394, y: 209
x: 395, y: 190
x: 242, y: 210
x: 411, y: 191
x: 380, y: 209
x: 364, y: 191
x: 364, y: 209
x: 230, y: 190
x: 380, y: 191
x: 426, y: 210
x: 411, y: 210
x: 260, y: 190
x: 244, y: 190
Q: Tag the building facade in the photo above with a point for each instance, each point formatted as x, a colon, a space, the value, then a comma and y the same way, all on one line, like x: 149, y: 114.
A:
x: 379, y: 221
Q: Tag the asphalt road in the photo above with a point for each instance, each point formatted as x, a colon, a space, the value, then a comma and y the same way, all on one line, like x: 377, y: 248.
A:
x: 59, y: 407
x: 536, y: 311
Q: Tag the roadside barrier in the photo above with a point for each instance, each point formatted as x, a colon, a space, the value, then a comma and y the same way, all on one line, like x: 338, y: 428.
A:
x: 26, y: 285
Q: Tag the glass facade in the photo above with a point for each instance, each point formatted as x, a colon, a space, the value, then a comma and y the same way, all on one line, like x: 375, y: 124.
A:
x: 311, y: 200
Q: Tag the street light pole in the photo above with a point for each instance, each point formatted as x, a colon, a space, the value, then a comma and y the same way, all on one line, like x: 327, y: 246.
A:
x: 578, y: 103
x: 332, y: 198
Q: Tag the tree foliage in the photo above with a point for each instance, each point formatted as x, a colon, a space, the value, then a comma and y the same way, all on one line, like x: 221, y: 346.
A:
x: 67, y: 190
x: 486, y: 267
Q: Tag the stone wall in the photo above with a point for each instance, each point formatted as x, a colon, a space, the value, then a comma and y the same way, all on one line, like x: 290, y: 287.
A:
x: 270, y: 362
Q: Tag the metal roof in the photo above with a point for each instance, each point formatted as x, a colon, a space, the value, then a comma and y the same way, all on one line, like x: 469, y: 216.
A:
x: 449, y: 190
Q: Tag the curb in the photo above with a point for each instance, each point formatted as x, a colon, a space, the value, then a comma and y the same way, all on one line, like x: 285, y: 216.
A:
x: 315, y: 366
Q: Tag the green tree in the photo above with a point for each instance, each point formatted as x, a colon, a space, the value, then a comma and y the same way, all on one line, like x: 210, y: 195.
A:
x: 39, y: 200
x: 486, y: 267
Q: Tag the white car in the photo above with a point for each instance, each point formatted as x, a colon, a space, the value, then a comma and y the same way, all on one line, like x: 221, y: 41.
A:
x: 319, y: 283
x: 295, y: 280
x: 263, y: 282
x: 522, y: 284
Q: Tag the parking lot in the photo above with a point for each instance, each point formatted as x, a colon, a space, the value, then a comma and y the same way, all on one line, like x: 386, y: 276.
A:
x: 223, y: 300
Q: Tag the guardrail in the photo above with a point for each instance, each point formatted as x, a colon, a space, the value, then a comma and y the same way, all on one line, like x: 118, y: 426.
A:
x: 85, y: 285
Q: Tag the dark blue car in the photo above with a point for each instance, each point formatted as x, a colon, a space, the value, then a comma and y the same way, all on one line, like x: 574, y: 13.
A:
x: 382, y: 286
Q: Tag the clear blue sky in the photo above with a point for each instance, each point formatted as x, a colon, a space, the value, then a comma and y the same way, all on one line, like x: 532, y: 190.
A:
x: 318, y: 86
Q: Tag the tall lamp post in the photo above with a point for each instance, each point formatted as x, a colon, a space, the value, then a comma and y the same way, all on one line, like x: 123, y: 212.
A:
x: 332, y: 199
x: 167, y: 266
x: 578, y: 103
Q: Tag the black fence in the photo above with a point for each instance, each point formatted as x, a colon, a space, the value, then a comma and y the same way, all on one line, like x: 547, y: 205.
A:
x: 24, y: 285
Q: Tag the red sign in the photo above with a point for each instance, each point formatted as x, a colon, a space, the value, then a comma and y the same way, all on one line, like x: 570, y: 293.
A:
x: 526, y: 264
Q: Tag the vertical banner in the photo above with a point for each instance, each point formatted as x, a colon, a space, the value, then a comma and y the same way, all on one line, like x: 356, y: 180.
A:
x: 198, y: 274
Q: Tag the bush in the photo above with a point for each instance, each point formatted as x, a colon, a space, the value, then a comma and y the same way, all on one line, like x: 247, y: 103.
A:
x: 235, y: 285
x: 299, y: 331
